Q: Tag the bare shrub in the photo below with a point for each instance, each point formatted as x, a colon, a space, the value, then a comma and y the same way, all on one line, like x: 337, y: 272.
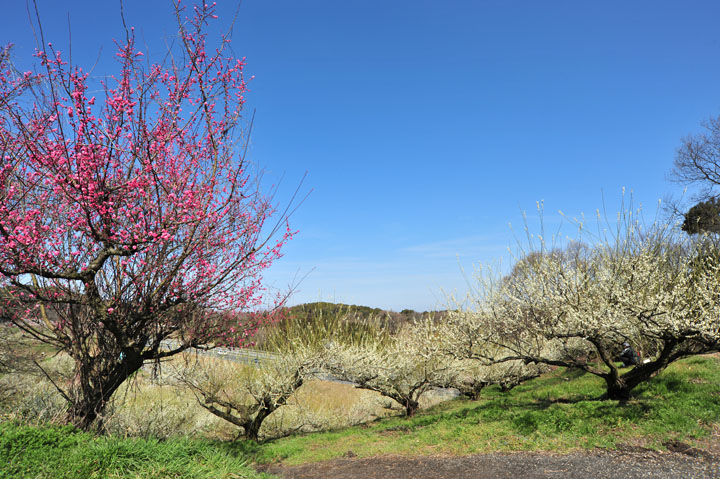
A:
x: 163, y: 418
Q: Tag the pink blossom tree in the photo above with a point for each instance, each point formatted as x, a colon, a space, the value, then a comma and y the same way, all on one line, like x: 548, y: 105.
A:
x: 130, y: 218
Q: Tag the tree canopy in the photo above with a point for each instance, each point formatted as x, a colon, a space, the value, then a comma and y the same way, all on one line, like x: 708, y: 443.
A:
x: 128, y: 217
x: 703, y: 217
x: 648, y: 287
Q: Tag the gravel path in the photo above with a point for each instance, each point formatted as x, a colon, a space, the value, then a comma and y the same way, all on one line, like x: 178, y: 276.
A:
x: 629, y: 464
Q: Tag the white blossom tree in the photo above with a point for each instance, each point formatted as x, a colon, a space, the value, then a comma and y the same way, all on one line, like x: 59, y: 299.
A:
x: 479, y: 362
x: 245, y: 395
x: 648, y: 286
x: 402, y: 367
x: 473, y: 375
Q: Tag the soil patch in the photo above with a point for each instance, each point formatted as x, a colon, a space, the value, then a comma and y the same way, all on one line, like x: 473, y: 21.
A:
x: 631, y: 463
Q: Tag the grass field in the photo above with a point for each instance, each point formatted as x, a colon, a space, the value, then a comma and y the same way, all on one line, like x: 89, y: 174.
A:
x: 63, y: 453
x: 559, y: 411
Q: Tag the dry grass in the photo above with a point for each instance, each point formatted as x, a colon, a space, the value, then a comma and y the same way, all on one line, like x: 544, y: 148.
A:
x: 154, y: 404
x: 157, y: 405
x: 317, y: 405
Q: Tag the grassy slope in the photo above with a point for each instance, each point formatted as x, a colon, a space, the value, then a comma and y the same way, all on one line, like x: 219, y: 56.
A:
x: 61, y: 452
x: 558, y: 411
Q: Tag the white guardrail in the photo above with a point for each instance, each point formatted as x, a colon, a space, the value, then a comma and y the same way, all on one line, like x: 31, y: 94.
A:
x: 240, y: 355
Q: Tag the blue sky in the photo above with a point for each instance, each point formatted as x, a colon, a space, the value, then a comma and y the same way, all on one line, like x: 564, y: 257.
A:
x: 426, y: 127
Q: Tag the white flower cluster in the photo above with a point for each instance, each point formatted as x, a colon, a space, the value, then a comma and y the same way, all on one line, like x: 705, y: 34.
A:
x: 401, y: 367
x: 655, y: 290
x: 246, y: 394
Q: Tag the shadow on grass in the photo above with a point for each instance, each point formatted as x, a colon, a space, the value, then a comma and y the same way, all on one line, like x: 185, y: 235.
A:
x: 240, y: 448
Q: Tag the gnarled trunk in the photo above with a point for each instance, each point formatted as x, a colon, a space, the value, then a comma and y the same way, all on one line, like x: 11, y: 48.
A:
x: 95, y: 383
x: 411, y: 407
x: 471, y: 389
x: 252, y: 428
x: 620, y: 386
x: 617, y: 388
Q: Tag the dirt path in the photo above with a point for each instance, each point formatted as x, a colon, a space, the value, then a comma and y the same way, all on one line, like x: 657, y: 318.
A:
x: 628, y: 464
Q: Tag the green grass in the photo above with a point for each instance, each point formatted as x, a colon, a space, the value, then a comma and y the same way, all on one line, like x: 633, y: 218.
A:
x: 559, y: 412
x: 62, y: 452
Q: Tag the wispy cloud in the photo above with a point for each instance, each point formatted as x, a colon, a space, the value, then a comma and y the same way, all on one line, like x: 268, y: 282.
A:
x: 413, y: 277
x: 468, y: 246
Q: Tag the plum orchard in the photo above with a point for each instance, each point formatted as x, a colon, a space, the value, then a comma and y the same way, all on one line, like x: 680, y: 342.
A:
x: 654, y: 289
x: 129, y: 218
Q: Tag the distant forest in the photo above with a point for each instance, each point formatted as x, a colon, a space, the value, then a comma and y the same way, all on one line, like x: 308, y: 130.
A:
x: 356, y: 313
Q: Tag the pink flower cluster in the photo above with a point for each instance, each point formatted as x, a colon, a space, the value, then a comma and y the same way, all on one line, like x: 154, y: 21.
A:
x: 136, y: 197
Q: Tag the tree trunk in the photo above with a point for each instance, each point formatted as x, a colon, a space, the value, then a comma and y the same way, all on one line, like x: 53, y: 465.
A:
x: 620, y: 386
x: 472, y: 391
x: 411, y: 407
x: 252, y: 430
x: 96, y: 381
x: 617, y: 388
